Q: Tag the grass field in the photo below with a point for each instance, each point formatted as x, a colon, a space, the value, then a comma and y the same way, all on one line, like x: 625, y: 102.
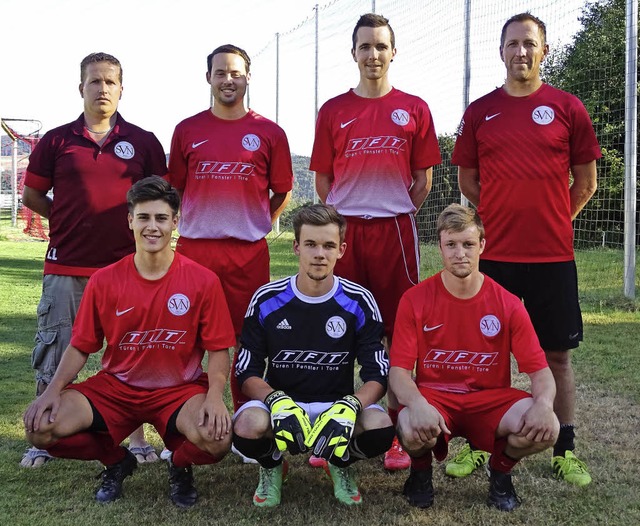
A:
x: 61, y: 492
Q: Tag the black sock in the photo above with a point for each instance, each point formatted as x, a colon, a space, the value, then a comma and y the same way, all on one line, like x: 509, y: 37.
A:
x: 368, y: 444
x: 260, y: 449
x: 565, y: 440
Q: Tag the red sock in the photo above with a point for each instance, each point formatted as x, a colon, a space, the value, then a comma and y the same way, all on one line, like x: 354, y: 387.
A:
x: 393, y: 415
x: 499, y: 460
x: 188, y: 454
x: 88, y: 446
x: 422, y: 463
x: 237, y: 395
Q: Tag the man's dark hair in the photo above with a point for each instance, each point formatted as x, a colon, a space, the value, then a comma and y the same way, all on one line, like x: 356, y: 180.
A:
x: 98, y: 57
x: 153, y: 188
x: 457, y: 218
x: 229, y: 48
x: 372, y: 20
x: 318, y: 215
x: 524, y: 17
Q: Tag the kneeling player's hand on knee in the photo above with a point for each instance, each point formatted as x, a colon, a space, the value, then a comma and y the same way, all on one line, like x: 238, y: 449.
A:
x: 290, y: 423
x: 47, y: 401
x: 333, y: 429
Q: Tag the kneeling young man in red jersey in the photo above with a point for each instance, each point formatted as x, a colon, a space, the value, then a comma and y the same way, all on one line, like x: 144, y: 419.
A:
x: 459, y: 328
x: 158, y: 312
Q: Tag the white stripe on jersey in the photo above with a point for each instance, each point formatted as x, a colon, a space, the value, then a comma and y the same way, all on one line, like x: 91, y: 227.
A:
x: 354, y: 288
x: 244, y: 356
x: 280, y: 284
x: 383, y: 361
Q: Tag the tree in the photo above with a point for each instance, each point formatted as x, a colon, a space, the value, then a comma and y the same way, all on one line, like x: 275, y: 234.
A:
x: 592, y: 67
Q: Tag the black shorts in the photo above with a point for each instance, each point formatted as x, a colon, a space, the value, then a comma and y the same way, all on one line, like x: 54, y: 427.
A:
x: 550, y: 295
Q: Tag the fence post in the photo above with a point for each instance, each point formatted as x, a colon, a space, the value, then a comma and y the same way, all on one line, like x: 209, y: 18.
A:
x: 317, y: 43
x: 630, y: 147
x: 277, y: 223
x: 467, y: 69
x: 14, y: 182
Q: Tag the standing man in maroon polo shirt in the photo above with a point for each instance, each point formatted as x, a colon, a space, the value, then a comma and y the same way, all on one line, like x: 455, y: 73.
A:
x: 90, y: 164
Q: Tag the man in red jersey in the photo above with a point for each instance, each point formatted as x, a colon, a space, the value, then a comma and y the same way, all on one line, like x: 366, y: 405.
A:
x: 89, y: 164
x: 458, y: 329
x: 527, y: 159
x: 373, y: 155
x: 158, y: 312
x: 233, y: 169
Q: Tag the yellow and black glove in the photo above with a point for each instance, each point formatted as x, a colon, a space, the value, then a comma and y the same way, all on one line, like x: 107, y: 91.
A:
x: 290, y: 423
x: 333, y: 429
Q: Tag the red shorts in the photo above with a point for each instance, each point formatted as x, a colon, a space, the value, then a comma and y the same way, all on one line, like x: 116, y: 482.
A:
x: 475, y: 416
x: 383, y: 256
x: 124, y: 407
x: 242, y: 267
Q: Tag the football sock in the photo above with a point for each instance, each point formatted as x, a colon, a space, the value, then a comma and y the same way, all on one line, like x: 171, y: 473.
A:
x: 422, y: 463
x: 189, y: 454
x: 262, y: 449
x: 88, y: 446
x: 393, y: 415
x: 565, y: 440
x: 368, y: 444
x: 499, y: 460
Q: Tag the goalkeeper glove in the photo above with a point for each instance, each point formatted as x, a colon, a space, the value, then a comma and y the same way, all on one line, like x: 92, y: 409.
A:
x: 290, y: 423
x: 333, y: 429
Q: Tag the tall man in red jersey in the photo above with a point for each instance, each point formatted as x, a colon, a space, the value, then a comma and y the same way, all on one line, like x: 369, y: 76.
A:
x: 225, y: 161
x: 89, y: 164
x: 458, y: 329
x: 158, y: 312
x: 373, y: 155
x: 517, y: 150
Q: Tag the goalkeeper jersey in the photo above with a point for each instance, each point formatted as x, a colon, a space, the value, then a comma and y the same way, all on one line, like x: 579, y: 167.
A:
x: 309, y: 345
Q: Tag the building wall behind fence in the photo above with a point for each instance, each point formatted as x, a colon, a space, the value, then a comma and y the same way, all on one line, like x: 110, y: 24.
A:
x: 430, y: 64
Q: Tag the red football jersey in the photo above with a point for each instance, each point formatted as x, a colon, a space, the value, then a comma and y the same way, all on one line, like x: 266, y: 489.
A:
x: 226, y: 169
x: 371, y: 147
x: 465, y: 345
x: 156, y: 331
x: 523, y: 148
x: 88, y: 226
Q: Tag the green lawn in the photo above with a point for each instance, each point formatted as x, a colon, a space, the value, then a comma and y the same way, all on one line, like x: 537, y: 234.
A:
x: 608, y: 390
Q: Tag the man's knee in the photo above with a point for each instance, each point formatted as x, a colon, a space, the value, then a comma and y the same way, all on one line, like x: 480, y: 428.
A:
x: 74, y: 415
x: 410, y: 440
x: 531, y: 447
x: 558, y: 360
x: 373, y: 419
x: 44, y: 437
x: 216, y: 447
x: 252, y: 423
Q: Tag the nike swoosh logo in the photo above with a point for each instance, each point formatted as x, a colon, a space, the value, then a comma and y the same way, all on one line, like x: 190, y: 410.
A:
x: 121, y: 312
x: 345, y: 124
x: 196, y: 144
x: 427, y: 328
x: 489, y: 117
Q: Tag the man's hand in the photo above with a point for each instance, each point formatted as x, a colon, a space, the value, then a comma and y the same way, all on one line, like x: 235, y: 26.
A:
x: 539, y: 423
x: 47, y: 401
x: 213, y: 414
x: 425, y: 421
x: 290, y: 423
x: 333, y: 429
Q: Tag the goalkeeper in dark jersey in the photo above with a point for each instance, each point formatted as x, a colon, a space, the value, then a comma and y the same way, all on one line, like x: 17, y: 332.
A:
x: 308, y: 330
